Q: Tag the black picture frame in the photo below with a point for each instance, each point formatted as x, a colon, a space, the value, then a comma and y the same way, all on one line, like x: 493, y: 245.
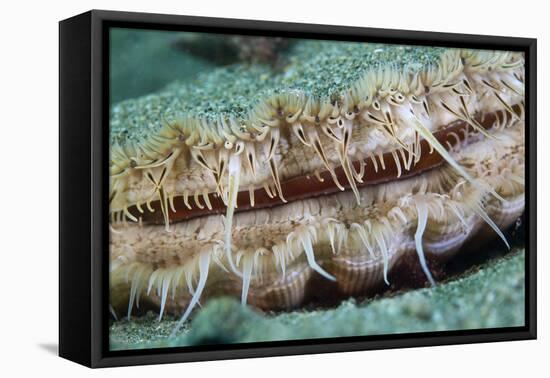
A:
x: 83, y: 181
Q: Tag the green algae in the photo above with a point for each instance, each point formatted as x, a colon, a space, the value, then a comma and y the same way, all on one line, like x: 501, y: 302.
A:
x: 491, y: 295
x: 318, y: 69
x: 326, y: 69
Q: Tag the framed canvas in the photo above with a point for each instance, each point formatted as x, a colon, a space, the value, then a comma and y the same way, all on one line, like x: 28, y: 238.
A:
x: 234, y: 188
